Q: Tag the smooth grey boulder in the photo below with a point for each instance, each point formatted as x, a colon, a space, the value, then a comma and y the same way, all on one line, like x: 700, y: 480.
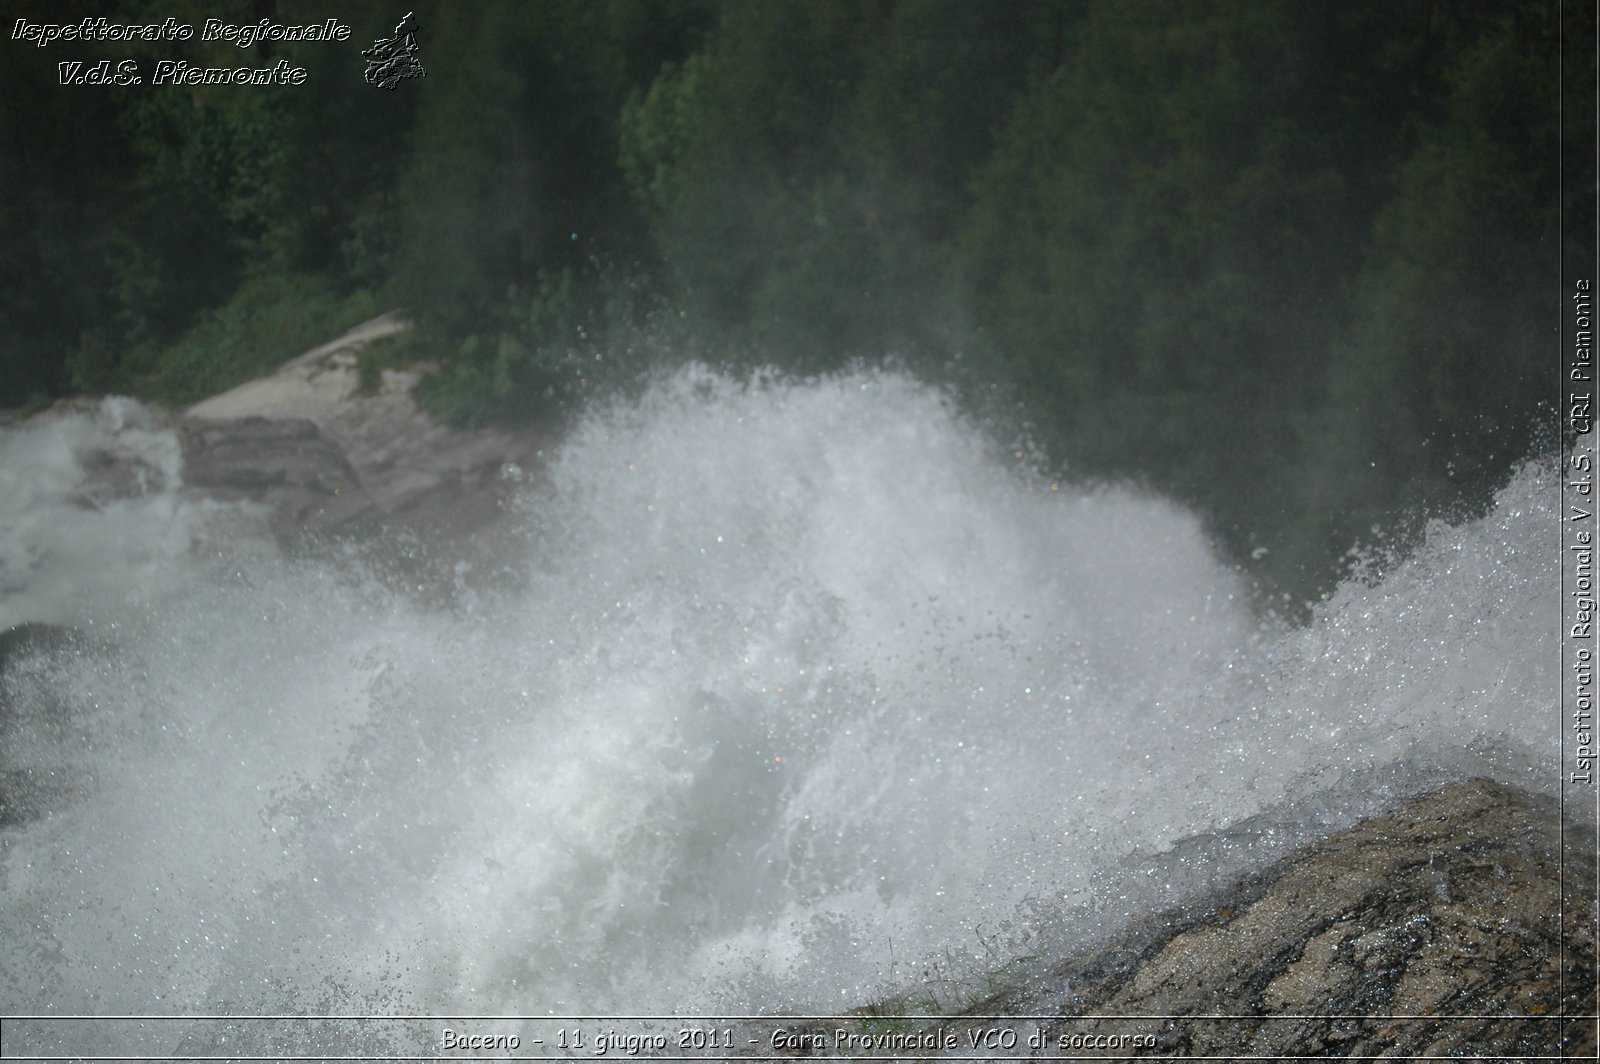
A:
x: 287, y: 464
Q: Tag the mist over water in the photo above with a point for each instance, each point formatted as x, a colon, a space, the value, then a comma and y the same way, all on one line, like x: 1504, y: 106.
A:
x: 788, y: 688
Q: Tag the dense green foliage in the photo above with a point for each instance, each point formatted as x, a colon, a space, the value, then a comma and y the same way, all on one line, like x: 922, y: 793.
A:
x: 1293, y: 263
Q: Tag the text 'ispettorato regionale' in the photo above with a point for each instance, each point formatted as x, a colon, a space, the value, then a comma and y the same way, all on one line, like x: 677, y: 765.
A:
x: 178, y: 72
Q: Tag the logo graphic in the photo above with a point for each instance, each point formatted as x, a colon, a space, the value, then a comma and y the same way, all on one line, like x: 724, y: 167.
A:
x: 392, y: 60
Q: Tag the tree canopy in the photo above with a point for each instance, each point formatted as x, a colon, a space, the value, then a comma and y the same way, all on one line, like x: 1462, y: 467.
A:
x: 1292, y: 263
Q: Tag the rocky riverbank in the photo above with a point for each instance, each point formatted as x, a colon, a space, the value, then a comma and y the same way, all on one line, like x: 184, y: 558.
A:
x: 317, y: 451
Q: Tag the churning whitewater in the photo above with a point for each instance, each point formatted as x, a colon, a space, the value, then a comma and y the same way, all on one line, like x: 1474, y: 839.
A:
x: 790, y: 691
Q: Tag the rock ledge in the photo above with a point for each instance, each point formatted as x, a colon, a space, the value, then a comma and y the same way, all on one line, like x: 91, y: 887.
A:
x: 1448, y: 927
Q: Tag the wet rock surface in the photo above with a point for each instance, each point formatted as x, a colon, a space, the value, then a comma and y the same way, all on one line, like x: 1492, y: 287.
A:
x: 288, y: 464
x: 1461, y: 924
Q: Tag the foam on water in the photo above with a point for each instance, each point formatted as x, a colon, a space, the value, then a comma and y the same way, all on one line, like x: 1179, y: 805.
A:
x: 91, y: 516
x: 796, y: 683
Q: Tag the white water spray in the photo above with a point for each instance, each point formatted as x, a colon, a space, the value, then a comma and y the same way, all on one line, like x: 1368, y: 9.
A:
x: 794, y: 682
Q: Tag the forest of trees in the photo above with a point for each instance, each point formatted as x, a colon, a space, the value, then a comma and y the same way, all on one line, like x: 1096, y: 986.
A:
x: 1293, y: 263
